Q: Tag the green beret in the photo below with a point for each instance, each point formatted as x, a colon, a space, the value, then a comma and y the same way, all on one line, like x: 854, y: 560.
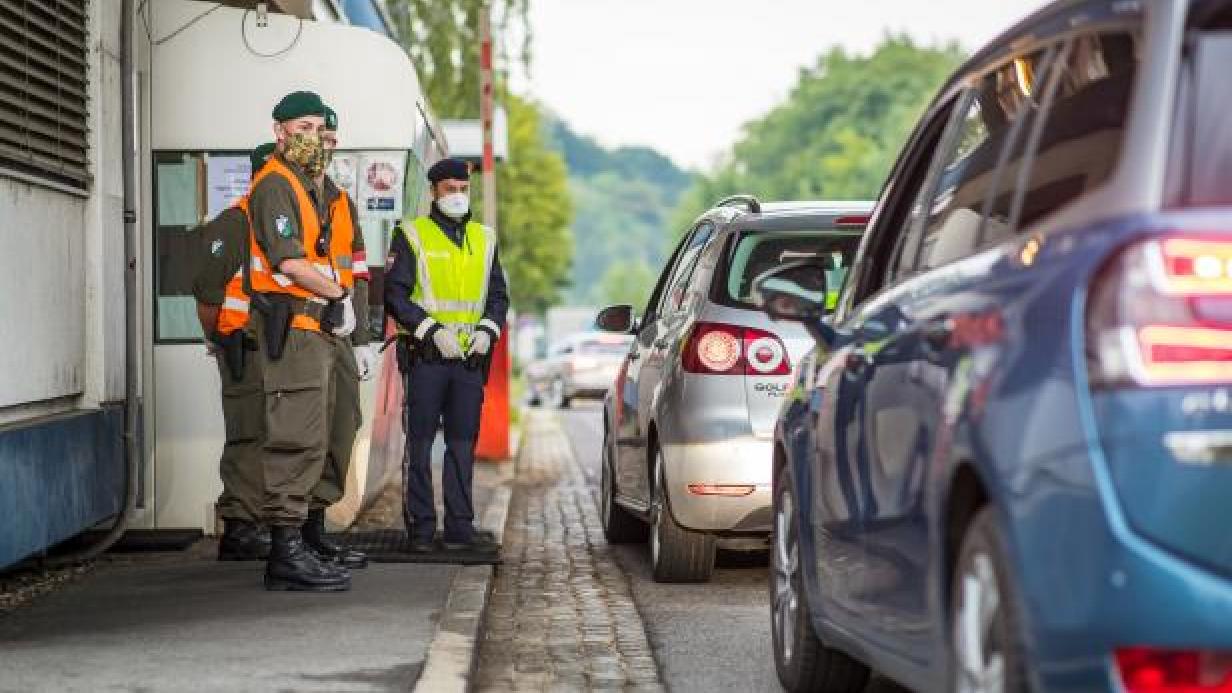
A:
x: 260, y: 155
x: 454, y: 169
x: 331, y: 119
x: 298, y: 104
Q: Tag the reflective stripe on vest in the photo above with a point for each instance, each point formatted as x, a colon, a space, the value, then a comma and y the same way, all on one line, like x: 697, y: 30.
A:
x: 233, y: 315
x: 451, y: 282
x: 341, y: 240
x: 262, y: 277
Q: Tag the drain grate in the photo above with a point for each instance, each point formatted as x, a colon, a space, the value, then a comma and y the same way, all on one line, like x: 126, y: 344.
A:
x: 393, y: 546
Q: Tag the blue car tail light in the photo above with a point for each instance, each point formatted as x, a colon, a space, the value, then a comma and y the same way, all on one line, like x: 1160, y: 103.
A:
x: 1151, y: 670
x: 1161, y: 314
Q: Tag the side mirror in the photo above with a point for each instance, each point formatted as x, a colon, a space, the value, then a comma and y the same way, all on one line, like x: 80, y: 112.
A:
x: 616, y: 319
x: 796, y: 292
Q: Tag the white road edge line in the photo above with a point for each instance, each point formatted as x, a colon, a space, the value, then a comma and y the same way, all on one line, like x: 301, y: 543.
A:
x: 453, y: 654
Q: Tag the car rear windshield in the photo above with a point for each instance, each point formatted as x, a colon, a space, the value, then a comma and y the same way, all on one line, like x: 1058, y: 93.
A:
x: 1202, y: 140
x: 756, y: 252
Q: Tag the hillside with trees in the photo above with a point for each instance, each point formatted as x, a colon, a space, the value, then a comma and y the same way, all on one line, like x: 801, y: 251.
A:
x: 623, y: 199
x: 838, y: 132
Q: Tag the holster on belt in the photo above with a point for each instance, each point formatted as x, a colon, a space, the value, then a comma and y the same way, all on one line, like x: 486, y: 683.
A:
x: 404, y: 352
x: 332, y: 316
x: 276, y: 311
x: 233, y: 347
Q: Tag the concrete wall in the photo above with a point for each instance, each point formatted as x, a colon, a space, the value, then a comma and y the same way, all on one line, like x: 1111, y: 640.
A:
x: 61, y: 265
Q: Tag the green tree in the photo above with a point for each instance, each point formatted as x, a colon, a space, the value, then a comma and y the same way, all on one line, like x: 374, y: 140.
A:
x: 535, y: 213
x: 836, y: 135
x: 622, y: 197
x: 627, y: 282
x: 442, y: 38
x: 534, y: 210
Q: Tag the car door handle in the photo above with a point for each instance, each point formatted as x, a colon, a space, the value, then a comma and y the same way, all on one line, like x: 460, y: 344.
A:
x: 635, y: 356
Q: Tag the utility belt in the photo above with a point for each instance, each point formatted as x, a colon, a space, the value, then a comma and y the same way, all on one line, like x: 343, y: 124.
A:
x: 408, y: 353
x: 278, y: 312
x: 235, y: 348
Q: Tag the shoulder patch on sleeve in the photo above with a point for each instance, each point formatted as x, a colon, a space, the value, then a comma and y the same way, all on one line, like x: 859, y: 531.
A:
x: 216, y: 247
x: 282, y: 223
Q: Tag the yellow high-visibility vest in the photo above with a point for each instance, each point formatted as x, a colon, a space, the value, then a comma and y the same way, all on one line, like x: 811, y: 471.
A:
x: 451, y: 281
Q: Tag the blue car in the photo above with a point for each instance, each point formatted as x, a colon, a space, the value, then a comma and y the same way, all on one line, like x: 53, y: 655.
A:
x: 1007, y: 465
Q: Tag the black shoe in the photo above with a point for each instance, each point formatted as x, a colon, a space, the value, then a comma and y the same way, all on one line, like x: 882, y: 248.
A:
x: 243, y: 541
x: 293, y: 567
x: 481, y: 542
x: 315, y: 537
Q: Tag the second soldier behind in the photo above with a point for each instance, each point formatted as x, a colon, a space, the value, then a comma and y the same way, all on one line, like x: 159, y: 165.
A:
x: 223, y: 310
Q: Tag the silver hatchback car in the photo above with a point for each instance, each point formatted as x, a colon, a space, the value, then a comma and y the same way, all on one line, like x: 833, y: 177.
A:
x: 688, y: 427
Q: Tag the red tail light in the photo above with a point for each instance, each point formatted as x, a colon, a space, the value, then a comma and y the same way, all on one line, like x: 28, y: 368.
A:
x: 1148, y: 670
x: 852, y: 221
x: 1161, y: 314
x: 720, y: 349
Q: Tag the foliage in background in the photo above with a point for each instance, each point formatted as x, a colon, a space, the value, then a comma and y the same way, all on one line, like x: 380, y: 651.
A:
x: 535, y: 212
x: 623, y: 200
x: 442, y: 38
x: 838, y: 132
x: 534, y: 209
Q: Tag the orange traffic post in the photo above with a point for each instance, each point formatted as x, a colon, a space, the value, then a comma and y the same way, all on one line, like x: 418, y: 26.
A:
x: 494, y: 445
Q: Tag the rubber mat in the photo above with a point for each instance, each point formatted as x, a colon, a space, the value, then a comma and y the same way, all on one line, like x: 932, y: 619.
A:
x: 393, y: 546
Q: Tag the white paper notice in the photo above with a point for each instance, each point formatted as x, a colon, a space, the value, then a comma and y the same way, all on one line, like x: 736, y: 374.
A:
x: 380, y: 184
x: 227, y: 180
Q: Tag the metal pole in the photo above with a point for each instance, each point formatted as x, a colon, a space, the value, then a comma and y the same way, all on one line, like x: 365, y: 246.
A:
x: 485, y: 115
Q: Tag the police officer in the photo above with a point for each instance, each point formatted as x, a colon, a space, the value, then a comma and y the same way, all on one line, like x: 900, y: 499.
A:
x: 223, y: 310
x: 304, y: 312
x: 444, y: 285
x: 354, y: 360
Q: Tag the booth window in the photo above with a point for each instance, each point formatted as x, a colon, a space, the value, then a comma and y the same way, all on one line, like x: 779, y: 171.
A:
x: 190, y: 188
x: 179, y: 192
x: 43, y: 92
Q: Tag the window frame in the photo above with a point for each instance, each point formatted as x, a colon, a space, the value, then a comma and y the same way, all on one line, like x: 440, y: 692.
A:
x: 1132, y: 26
x: 651, y: 312
x: 685, y: 277
x: 886, y: 227
x: 155, y: 246
x: 1053, y: 50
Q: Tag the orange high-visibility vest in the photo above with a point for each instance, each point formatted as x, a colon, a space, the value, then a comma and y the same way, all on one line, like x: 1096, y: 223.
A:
x: 350, y: 264
x: 235, y: 306
x: 266, y: 279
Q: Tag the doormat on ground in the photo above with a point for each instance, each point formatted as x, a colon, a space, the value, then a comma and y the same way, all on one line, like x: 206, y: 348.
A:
x: 393, y: 546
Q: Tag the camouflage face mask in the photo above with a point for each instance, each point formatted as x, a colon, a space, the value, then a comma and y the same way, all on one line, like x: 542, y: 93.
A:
x: 304, y: 149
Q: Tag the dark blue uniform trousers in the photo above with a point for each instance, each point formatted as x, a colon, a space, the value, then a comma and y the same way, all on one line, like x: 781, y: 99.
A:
x: 436, y: 391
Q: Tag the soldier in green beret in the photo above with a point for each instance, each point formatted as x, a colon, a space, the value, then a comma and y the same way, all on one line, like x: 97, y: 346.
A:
x: 304, y: 312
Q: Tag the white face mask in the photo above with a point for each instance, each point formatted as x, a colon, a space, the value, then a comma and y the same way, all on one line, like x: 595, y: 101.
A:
x: 454, y: 205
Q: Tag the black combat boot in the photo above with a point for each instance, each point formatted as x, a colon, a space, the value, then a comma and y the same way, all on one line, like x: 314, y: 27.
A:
x: 314, y: 536
x: 243, y: 541
x: 293, y: 567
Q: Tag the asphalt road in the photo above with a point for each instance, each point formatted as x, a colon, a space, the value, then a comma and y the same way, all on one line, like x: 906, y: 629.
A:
x: 709, y: 637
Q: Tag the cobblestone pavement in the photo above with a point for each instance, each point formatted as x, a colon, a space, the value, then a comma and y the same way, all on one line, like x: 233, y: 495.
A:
x: 561, y: 615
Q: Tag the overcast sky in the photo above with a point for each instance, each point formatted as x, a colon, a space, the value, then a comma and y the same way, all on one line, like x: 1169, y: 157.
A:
x: 683, y: 75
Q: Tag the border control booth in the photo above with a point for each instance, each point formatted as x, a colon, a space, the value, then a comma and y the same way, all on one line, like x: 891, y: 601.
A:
x: 207, y: 103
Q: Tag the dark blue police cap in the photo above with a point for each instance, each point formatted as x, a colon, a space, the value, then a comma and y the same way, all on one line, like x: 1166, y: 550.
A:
x: 454, y: 169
